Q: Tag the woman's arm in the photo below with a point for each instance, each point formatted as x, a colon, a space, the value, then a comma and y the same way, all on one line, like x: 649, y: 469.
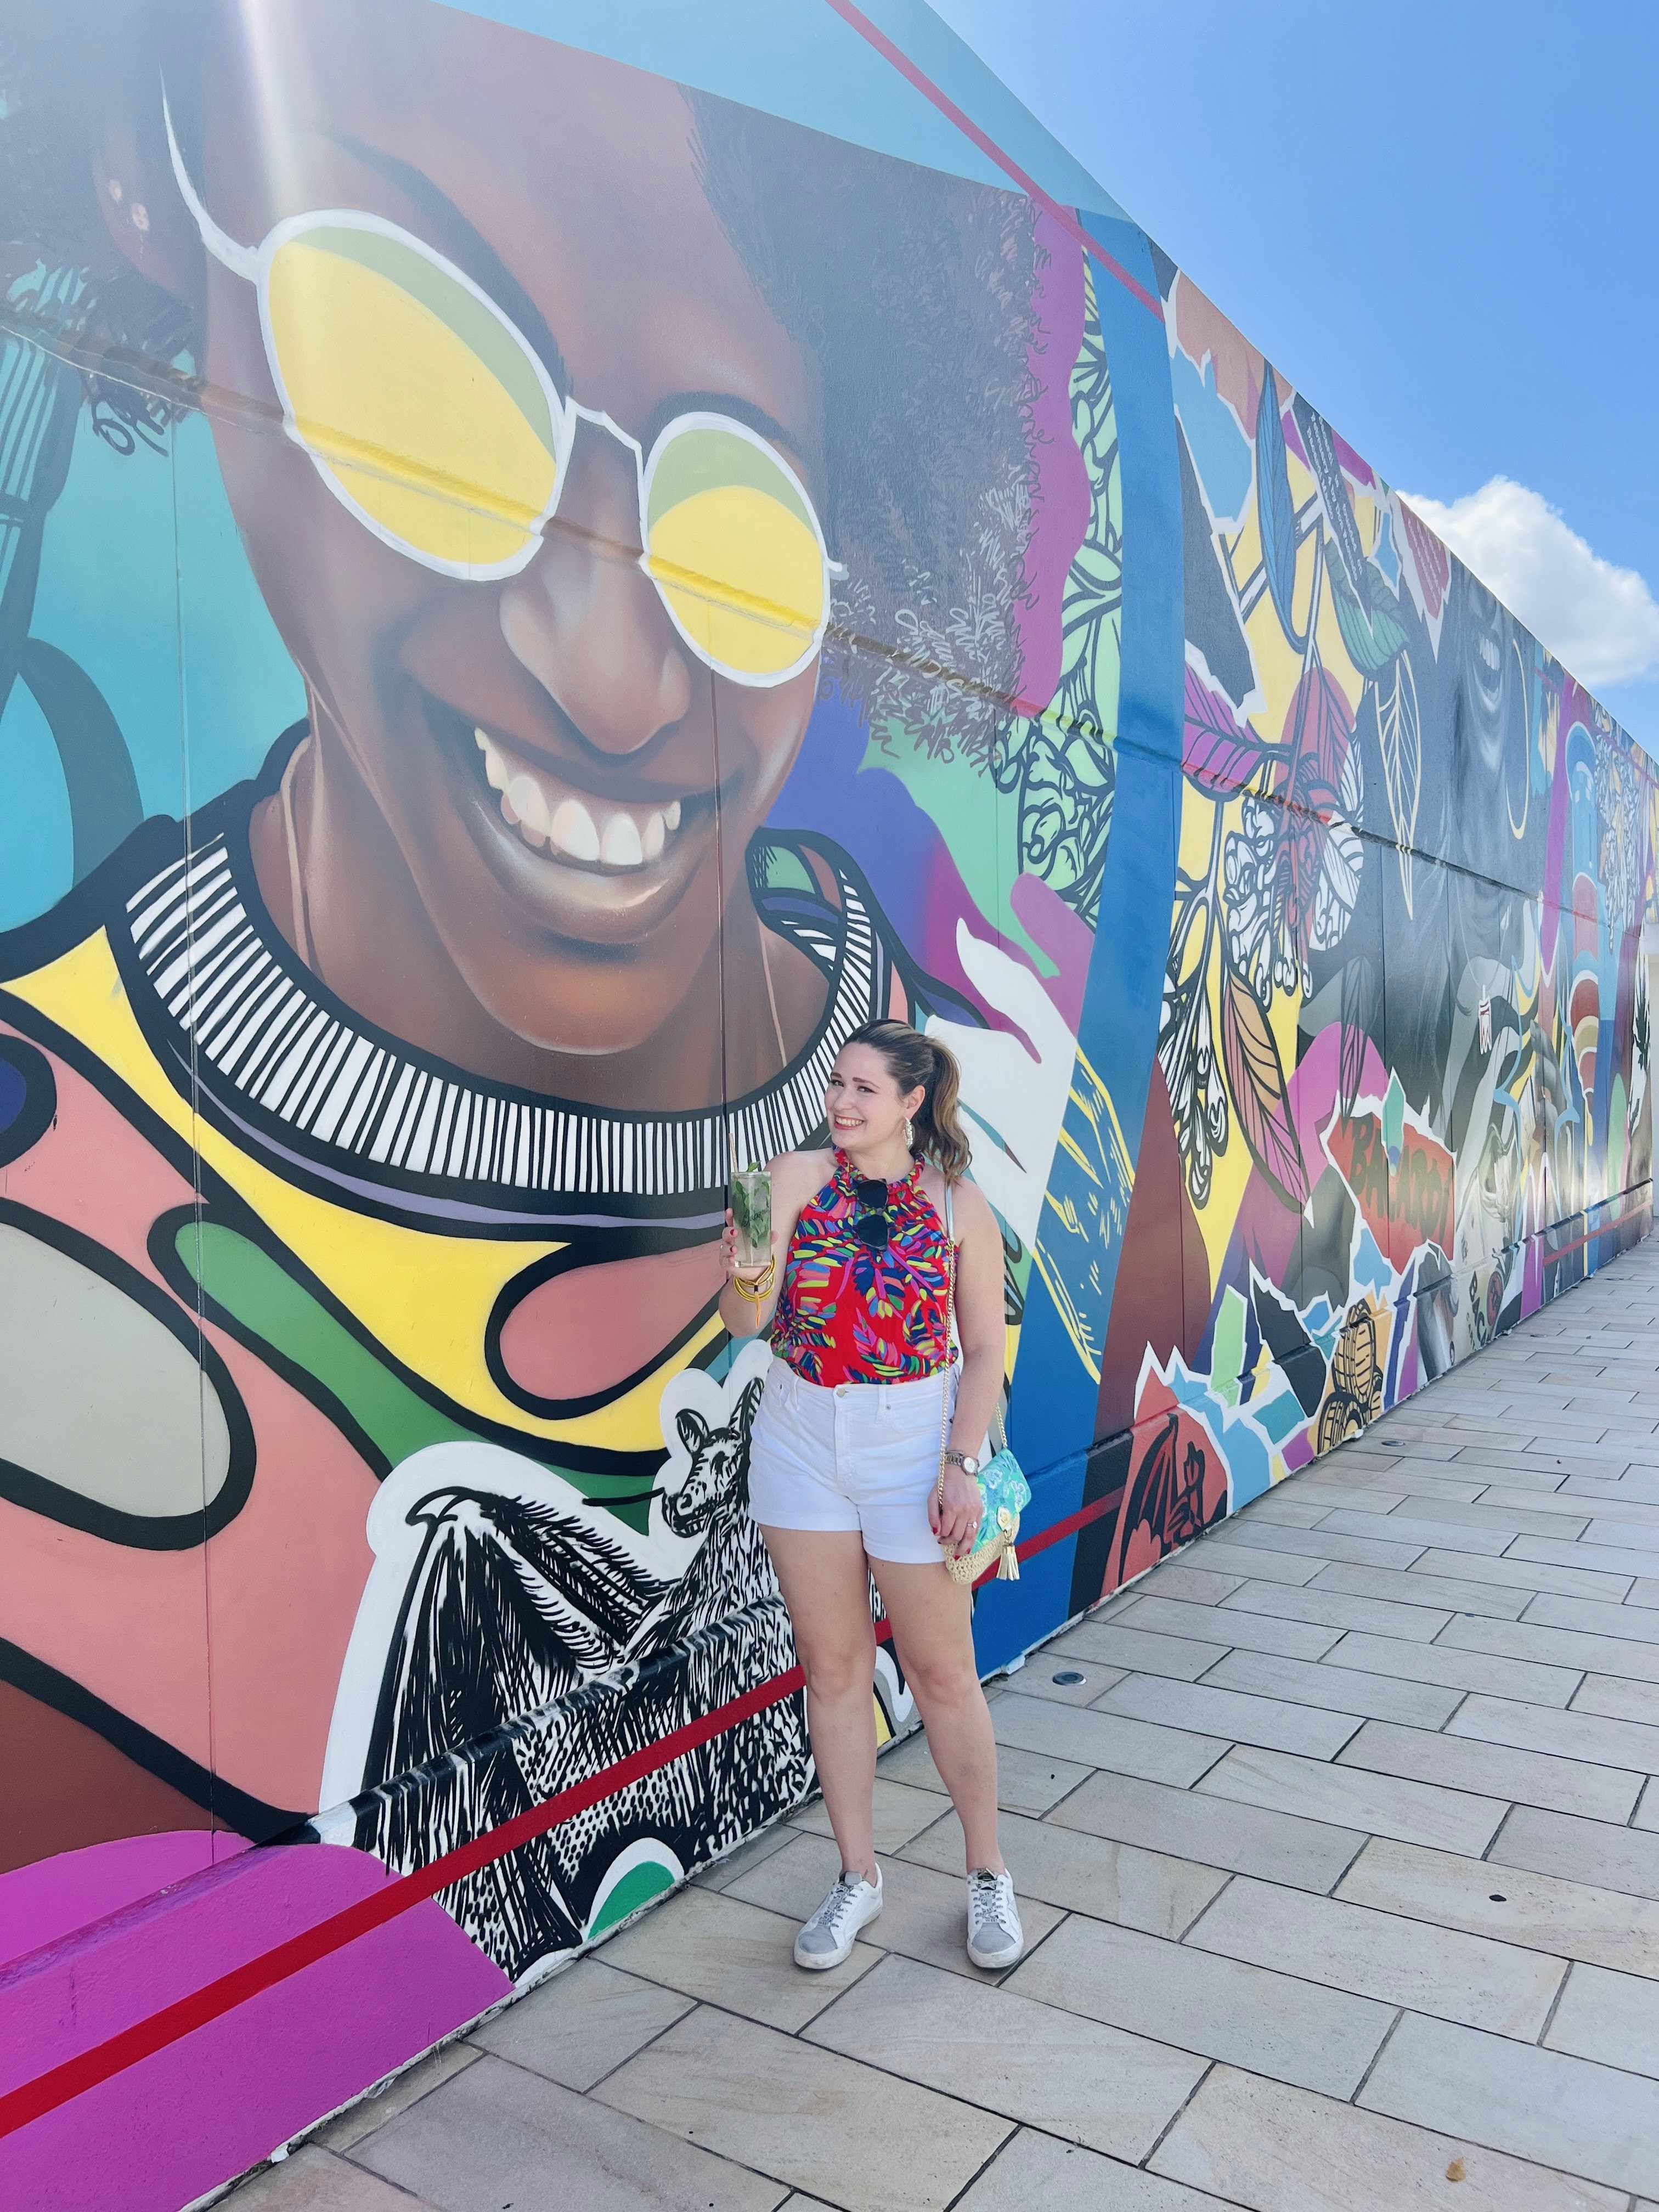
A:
x: 982, y: 1319
x: 792, y: 1185
x: 981, y: 1325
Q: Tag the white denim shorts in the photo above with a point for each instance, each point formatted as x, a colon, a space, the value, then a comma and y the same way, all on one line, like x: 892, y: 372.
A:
x: 858, y: 1456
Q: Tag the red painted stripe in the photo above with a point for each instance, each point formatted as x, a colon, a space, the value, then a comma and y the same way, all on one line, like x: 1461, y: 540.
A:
x: 857, y: 21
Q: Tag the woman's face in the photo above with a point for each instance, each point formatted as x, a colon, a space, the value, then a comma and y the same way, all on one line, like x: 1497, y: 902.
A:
x: 862, y: 1102
x: 573, y: 180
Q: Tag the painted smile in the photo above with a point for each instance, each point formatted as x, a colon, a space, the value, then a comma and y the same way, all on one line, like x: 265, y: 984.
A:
x: 574, y: 829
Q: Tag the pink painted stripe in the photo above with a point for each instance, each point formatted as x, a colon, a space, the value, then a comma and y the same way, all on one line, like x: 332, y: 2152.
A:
x: 857, y: 21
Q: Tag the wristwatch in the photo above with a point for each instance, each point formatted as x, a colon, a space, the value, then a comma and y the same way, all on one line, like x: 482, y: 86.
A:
x: 965, y: 1461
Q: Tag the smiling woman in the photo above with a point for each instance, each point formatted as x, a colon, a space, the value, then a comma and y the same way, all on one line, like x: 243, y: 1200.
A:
x: 576, y: 467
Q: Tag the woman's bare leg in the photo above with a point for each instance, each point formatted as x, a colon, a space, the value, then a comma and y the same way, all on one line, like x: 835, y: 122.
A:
x: 933, y: 1630
x: 826, y: 1586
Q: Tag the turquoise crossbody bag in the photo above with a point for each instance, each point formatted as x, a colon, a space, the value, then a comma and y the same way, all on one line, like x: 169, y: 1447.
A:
x: 1004, y: 1492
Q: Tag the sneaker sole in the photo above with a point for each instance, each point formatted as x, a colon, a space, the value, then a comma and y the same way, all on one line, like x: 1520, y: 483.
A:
x: 994, y: 1965
x: 813, y: 1964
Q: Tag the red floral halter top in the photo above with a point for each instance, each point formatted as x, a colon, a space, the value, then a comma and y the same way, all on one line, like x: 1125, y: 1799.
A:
x: 845, y: 1314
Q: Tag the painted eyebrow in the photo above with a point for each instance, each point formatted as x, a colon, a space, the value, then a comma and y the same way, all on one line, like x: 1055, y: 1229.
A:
x: 469, y: 249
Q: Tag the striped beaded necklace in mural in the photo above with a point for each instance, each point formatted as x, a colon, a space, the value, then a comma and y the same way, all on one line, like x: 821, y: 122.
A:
x: 229, y: 1005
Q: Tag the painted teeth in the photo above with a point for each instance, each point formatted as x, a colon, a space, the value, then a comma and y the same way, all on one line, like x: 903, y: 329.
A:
x: 550, y: 818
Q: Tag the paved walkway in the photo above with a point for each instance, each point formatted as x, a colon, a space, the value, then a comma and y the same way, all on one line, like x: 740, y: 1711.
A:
x: 1340, y: 1871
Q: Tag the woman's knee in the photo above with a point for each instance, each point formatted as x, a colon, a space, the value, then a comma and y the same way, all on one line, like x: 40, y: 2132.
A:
x: 838, y: 1666
x: 941, y: 1679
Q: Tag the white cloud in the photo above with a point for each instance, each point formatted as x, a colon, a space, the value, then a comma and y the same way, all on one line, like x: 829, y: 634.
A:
x: 1600, y: 621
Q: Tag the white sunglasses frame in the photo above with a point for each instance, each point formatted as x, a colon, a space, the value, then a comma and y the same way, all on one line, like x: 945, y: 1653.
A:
x: 253, y: 264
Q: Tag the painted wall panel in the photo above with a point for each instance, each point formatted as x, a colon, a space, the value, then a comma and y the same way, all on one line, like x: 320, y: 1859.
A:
x: 513, y: 642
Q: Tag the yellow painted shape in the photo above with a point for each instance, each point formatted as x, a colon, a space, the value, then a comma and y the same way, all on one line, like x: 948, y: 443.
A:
x: 429, y: 443
x: 425, y: 1299
x: 743, y: 574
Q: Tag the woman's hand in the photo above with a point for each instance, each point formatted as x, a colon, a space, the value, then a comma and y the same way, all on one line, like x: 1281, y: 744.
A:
x: 957, y: 1522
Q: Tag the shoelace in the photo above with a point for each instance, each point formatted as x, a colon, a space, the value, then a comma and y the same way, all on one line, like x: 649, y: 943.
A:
x: 985, y: 1901
x: 839, y: 1899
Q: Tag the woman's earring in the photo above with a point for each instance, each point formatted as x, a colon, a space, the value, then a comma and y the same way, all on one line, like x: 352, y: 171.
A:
x: 909, y: 1141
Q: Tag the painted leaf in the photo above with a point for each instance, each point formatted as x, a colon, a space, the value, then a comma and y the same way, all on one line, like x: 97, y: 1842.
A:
x: 1256, y: 1079
x: 1361, y: 1014
x: 1275, y: 509
x: 1429, y: 557
x: 1371, y: 640
x: 1400, y: 733
x: 1317, y: 444
x: 1216, y: 751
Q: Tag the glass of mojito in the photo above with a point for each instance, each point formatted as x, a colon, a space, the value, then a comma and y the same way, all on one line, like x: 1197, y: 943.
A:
x: 751, y: 1216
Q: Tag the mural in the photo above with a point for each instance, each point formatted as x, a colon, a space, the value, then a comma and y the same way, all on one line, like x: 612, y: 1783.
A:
x: 513, y: 642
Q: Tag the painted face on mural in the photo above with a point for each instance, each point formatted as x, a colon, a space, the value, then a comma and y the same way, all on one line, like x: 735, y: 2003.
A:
x: 505, y: 826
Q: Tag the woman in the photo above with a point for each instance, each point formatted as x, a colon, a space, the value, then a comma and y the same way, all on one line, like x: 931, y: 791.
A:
x: 851, y: 1476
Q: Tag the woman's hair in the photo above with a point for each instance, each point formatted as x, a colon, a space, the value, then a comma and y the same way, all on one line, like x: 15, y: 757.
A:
x: 913, y: 1059
x: 909, y: 291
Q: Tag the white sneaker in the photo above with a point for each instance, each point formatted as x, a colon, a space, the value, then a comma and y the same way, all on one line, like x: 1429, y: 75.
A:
x: 828, y: 1938
x: 995, y: 1938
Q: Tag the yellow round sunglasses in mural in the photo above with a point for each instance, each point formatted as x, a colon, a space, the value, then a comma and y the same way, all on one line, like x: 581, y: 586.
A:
x: 429, y: 416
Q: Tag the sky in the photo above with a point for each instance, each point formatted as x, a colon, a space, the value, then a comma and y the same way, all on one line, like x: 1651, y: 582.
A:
x: 1440, y: 219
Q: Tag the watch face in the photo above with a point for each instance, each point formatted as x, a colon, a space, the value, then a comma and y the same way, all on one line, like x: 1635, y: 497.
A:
x: 969, y: 1464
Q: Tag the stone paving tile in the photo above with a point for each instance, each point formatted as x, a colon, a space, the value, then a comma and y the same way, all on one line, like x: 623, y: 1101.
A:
x: 1198, y: 1584
x: 1360, y: 1550
x: 1379, y: 1954
x: 1560, y: 1647
x: 1622, y: 1562
x: 577, y: 2027
x: 1230, y: 1715
x: 1273, y: 2149
x: 1236, y: 1624
x: 1128, y: 1646
x: 1293, y: 2030
x: 722, y: 1871
x: 1575, y: 1734
x: 1354, y: 1497
x: 1408, y: 1586
x: 1027, y: 1782
x: 1076, y: 2078
x: 1518, y: 1571
x: 718, y: 1946
x: 1620, y: 1491
x: 1408, y: 1533
x: 1082, y: 1873
x: 1579, y: 1851
x: 826, y: 2125
x: 1618, y: 1700
x: 900, y: 1814
x: 1349, y: 1797
x: 1243, y: 1838
x: 1330, y: 1608
x: 1563, y: 2111
x: 1532, y: 1512
x: 313, y: 2180
x: 1568, y: 1919
x: 1611, y: 2018
x: 1647, y: 1813
x: 1036, y: 2170
x: 924, y: 1913
x: 1493, y: 1770
x: 1645, y: 1593
x: 1342, y: 1689
x: 1455, y: 1668
x: 494, y: 2135
x: 1226, y: 1556
x: 360, y: 2120
x: 1633, y: 1534
x: 1286, y: 1507
x: 1598, y: 1619
x: 1098, y: 1739
x: 1048, y: 1674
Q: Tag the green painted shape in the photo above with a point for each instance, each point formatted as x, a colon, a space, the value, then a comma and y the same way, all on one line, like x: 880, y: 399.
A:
x: 1227, y: 1352
x: 1394, y: 1118
x: 260, y: 1294
x: 637, y: 1887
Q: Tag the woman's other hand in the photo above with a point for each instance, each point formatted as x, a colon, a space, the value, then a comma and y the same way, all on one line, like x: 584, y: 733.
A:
x: 956, y: 1523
